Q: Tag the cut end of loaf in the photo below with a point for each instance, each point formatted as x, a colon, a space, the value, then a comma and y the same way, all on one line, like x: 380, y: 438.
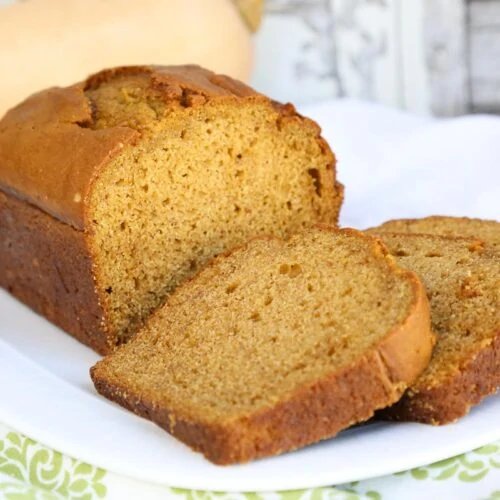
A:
x: 276, y: 345
x: 206, y: 176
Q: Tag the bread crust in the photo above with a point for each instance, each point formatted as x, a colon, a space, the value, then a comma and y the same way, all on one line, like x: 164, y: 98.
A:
x: 452, y: 398
x: 46, y: 264
x: 49, y: 154
x: 313, y: 412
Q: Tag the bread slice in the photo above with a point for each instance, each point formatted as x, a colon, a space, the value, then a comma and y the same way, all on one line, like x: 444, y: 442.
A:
x: 462, y: 279
x: 486, y: 230
x: 276, y: 345
x: 114, y: 190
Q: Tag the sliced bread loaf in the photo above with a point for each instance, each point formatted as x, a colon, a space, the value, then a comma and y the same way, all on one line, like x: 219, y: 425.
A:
x: 276, y: 345
x: 114, y: 190
x: 462, y: 279
x: 486, y: 230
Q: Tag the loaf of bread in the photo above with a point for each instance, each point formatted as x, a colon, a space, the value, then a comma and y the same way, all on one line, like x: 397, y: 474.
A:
x: 114, y: 190
x: 462, y: 279
x: 486, y: 230
x: 276, y: 345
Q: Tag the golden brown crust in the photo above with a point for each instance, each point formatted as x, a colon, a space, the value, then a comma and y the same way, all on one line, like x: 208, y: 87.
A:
x: 57, y: 176
x: 46, y: 265
x: 314, y: 412
x: 49, y: 154
x: 174, y: 82
x: 452, y: 398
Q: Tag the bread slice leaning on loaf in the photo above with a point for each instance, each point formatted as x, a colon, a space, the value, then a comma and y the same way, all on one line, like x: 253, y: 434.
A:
x: 276, y: 345
x: 462, y: 279
x: 486, y: 230
x: 114, y: 190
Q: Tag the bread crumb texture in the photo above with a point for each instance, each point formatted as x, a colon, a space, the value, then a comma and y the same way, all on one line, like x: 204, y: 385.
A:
x: 462, y: 280
x: 206, y: 176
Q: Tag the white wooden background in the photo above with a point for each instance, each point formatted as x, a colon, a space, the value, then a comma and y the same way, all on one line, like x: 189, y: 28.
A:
x: 430, y: 56
x: 485, y: 55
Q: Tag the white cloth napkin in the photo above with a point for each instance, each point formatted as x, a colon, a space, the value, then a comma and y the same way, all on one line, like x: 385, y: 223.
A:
x: 394, y: 164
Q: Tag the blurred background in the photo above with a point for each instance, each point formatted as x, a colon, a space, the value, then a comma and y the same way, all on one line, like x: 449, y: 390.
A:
x: 438, y: 57
x: 433, y: 57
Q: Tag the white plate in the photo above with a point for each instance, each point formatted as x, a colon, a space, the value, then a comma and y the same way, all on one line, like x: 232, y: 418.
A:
x: 46, y: 392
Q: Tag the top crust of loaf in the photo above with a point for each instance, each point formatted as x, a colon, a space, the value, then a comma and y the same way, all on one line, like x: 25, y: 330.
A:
x: 50, y: 152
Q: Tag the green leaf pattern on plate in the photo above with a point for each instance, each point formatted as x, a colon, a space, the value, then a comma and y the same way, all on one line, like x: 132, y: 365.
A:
x: 22, y: 491
x: 311, y: 494
x: 469, y: 468
x: 41, y: 473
